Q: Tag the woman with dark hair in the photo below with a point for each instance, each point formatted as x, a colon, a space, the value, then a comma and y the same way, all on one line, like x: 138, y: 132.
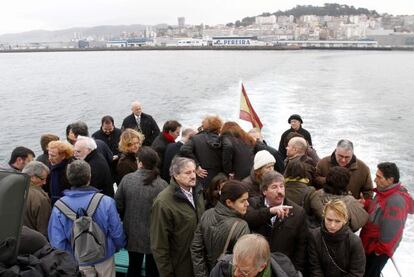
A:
x: 220, y: 228
x: 134, y: 199
x: 129, y: 144
x: 333, y: 249
x: 44, y: 141
x: 213, y: 190
x: 335, y: 187
x: 298, y: 190
x: 238, y: 151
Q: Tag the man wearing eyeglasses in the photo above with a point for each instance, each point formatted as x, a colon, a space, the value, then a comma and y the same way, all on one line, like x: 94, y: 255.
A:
x: 344, y: 156
x: 38, y: 206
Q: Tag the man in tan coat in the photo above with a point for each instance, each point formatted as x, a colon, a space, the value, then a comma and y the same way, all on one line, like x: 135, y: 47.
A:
x: 38, y: 205
x: 344, y: 156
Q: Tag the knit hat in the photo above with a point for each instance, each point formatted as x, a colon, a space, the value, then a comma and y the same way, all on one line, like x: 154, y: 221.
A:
x: 295, y: 116
x: 262, y: 158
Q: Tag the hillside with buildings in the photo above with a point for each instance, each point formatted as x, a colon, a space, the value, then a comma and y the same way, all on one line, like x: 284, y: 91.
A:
x: 331, y: 24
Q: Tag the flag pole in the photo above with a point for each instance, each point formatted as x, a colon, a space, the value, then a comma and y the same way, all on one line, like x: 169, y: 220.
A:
x: 396, y: 267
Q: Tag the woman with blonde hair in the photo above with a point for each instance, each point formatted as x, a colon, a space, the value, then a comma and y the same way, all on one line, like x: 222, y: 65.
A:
x: 60, y: 155
x: 333, y: 249
x: 129, y: 144
x: 238, y: 150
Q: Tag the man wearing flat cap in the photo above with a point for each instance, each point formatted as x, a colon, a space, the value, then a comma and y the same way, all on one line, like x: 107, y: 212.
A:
x: 295, y: 122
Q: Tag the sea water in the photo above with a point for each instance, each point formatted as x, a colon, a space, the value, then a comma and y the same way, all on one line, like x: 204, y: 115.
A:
x: 364, y: 96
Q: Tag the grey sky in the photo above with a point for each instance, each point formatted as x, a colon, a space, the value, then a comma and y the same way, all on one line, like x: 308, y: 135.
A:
x: 25, y: 15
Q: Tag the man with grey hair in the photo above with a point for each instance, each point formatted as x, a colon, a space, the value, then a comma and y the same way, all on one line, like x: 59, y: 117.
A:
x: 142, y: 122
x: 80, y: 128
x: 360, y: 181
x: 175, y: 214
x: 280, y: 220
x: 37, y: 213
x: 86, y: 149
x: 252, y: 257
x: 106, y: 217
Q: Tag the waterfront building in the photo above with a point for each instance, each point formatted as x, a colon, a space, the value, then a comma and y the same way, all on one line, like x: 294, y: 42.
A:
x: 236, y: 41
x: 131, y: 42
x: 193, y: 42
x: 328, y: 43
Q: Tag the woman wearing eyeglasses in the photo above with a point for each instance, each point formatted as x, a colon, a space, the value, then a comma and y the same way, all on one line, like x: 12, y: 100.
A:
x: 129, y: 144
x: 334, y: 250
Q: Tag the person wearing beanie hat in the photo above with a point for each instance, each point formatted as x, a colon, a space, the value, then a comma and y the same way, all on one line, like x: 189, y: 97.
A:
x: 263, y: 162
x: 262, y: 158
x: 295, y: 122
x: 217, y: 225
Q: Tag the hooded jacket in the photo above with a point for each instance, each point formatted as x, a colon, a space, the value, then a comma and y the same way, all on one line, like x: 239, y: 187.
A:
x: 387, y: 215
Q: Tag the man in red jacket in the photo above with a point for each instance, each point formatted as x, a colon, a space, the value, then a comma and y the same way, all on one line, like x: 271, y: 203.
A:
x: 387, y: 215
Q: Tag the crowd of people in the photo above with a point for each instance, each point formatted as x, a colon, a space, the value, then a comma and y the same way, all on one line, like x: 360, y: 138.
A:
x: 217, y: 201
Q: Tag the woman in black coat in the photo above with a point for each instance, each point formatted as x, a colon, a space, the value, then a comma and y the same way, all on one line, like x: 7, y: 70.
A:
x: 333, y: 249
x: 238, y: 151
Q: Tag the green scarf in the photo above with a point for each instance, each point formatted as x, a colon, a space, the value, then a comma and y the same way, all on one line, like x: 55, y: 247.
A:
x: 299, y: 180
x: 267, y: 272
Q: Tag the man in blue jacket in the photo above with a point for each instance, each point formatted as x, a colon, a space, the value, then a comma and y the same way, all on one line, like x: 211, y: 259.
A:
x: 106, y: 216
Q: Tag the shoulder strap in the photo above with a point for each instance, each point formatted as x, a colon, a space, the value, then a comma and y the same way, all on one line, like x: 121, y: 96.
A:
x: 93, y: 204
x: 330, y: 257
x: 65, y: 209
x: 229, y: 237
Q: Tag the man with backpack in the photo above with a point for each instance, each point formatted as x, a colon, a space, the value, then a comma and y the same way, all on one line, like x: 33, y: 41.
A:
x: 86, y: 223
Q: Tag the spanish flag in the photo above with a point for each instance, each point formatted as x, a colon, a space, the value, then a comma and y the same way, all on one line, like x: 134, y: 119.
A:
x: 247, y: 112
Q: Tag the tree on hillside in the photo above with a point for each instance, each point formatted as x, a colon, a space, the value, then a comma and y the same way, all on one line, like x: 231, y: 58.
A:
x: 330, y: 9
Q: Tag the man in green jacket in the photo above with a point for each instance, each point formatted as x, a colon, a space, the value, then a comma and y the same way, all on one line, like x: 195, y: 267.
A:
x: 174, y: 218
